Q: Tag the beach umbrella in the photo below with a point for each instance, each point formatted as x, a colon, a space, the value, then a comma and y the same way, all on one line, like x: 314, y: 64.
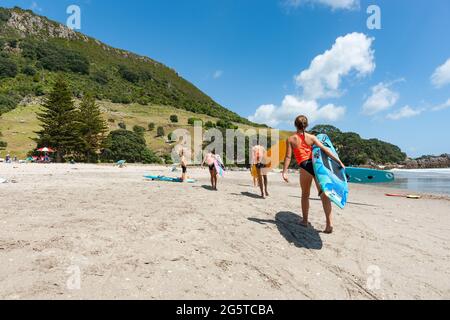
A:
x: 46, y: 150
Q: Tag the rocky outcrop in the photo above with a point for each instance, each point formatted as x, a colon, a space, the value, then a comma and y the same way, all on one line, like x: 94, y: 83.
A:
x: 26, y: 24
x: 425, y: 162
x: 428, y: 162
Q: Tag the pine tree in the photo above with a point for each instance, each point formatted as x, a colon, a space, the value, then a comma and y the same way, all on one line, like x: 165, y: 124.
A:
x: 59, y: 122
x: 92, y: 128
x: 3, y: 144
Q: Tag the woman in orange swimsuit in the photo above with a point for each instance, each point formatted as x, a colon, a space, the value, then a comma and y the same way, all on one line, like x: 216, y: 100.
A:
x: 301, y: 145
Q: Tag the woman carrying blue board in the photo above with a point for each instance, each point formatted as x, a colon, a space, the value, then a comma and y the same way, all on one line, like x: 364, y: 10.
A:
x: 301, y: 145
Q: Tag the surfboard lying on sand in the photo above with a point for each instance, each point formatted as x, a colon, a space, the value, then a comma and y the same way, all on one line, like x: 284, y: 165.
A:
x: 409, y: 196
x: 167, y: 179
x: 329, y: 174
x: 362, y: 175
x: 2, y: 180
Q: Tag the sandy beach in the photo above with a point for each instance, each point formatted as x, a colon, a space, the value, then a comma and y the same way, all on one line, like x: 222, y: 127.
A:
x: 124, y: 237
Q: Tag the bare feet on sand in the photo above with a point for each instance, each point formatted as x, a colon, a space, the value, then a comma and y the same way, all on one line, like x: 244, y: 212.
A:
x: 305, y: 224
x: 328, y: 230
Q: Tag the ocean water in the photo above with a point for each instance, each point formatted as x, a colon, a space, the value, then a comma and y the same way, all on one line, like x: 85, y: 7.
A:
x: 434, y: 181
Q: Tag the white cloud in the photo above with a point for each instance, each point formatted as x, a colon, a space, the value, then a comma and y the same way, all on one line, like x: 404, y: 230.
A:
x: 443, y: 106
x: 218, y: 74
x: 35, y: 7
x: 334, y: 4
x: 293, y: 106
x: 382, y: 98
x: 441, y: 75
x: 350, y: 54
x: 405, y: 112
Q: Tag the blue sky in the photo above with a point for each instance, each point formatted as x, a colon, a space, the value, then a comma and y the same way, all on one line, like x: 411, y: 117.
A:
x: 272, y: 59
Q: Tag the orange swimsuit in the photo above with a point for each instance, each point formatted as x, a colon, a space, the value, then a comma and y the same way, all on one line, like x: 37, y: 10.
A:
x: 304, y: 151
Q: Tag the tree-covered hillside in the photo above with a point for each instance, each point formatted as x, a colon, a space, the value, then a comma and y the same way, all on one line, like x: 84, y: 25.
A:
x: 35, y: 50
x: 354, y: 150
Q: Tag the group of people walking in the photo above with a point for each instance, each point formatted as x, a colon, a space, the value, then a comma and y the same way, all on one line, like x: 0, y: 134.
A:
x: 300, y: 145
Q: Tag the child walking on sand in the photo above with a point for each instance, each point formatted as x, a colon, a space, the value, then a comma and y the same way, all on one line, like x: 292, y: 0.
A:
x: 259, y: 156
x: 210, y: 160
x: 301, y: 145
x: 183, y: 163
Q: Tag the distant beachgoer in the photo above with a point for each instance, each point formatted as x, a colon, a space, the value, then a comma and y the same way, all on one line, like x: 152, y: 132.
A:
x: 301, y: 145
x: 259, y: 156
x: 183, y: 163
x: 8, y: 158
x: 210, y: 160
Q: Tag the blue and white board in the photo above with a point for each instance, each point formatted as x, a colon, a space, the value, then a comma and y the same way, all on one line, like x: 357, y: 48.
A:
x: 167, y: 179
x: 329, y: 174
x: 362, y: 175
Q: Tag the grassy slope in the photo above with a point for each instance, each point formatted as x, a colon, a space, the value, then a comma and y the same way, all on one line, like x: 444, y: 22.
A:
x: 18, y: 126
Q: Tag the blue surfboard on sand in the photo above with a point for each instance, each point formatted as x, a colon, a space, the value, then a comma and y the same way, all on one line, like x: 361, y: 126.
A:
x: 329, y: 174
x: 363, y: 175
x: 167, y: 179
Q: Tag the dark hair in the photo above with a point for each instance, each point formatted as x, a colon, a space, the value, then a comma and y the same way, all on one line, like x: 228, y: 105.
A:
x: 301, y: 123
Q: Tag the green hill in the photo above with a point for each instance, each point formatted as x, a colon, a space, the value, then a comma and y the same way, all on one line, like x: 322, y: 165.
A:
x: 354, y: 150
x: 34, y: 50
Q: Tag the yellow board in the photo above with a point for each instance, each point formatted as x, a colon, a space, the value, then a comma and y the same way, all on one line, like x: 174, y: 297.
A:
x: 254, y: 172
x: 276, y: 154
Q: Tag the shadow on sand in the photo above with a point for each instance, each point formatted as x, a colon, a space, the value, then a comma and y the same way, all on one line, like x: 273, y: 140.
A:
x: 288, y: 225
x: 248, y: 194
x: 353, y: 203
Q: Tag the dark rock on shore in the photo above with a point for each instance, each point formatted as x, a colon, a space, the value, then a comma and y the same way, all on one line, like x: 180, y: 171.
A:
x: 428, y: 162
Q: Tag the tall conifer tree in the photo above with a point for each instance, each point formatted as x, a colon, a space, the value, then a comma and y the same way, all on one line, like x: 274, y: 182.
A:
x: 59, y: 122
x: 92, y: 128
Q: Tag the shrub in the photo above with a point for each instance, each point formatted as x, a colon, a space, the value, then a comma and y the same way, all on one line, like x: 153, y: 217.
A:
x: 8, y: 68
x: 4, y: 15
x: 192, y: 121
x: 148, y: 157
x: 160, y: 132
x: 122, y: 125
x: 39, y: 90
x: 167, y: 158
x: 210, y: 125
x: 129, y: 146
x: 151, y: 126
x: 128, y: 74
x: 29, y: 71
x: 100, y: 77
x: 174, y: 118
x: 55, y: 57
x: 3, y: 145
x: 7, y: 103
x: 121, y: 99
x: 225, y: 124
x: 139, y: 130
